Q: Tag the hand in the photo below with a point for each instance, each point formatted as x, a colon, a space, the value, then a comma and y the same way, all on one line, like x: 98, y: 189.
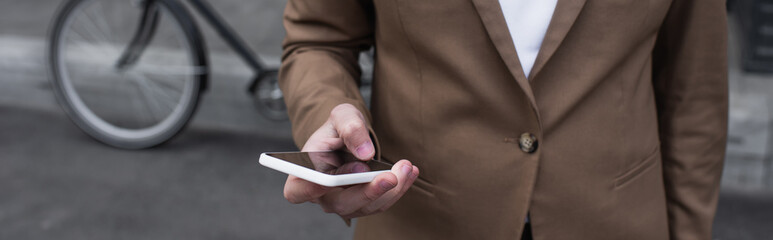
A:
x: 346, y: 128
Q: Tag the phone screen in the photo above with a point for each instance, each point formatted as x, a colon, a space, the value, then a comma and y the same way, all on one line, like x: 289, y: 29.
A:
x: 330, y: 162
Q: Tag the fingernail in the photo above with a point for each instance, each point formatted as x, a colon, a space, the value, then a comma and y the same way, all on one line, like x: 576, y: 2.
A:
x: 386, y: 185
x: 364, y: 149
x: 359, y: 168
x: 406, y: 170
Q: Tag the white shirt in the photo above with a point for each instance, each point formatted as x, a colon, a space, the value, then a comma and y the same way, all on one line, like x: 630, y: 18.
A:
x: 527, y: 21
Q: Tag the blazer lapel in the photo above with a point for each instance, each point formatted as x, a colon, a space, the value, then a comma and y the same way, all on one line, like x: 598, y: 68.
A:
x: 563, y: 18
x: 494, y: 21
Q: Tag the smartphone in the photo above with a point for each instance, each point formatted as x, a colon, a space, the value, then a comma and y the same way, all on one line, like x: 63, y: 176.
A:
x: 325, y: 168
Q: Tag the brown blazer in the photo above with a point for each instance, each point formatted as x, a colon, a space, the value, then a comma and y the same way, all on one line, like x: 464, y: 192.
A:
x: 627, y: 101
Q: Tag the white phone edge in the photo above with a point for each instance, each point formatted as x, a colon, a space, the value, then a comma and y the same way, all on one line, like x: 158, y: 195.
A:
x: 317, y: 177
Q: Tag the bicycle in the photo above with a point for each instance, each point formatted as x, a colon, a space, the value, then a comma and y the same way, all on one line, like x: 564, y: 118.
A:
x: 139, y: 89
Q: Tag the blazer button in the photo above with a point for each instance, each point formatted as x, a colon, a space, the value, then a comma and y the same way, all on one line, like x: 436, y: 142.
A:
x: 528, y: 143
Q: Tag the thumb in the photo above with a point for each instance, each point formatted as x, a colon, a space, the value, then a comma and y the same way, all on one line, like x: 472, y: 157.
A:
x: 350, y: 126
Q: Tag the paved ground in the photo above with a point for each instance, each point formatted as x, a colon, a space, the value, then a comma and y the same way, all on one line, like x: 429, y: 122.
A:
x: 57, y: 183
x: 206, y: 184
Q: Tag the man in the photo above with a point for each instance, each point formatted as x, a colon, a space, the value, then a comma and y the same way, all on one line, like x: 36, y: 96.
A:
x: 616, y: 131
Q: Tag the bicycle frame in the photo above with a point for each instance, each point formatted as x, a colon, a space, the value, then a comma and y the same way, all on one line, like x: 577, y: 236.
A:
x: 147, y: 28
x: 142, y: 37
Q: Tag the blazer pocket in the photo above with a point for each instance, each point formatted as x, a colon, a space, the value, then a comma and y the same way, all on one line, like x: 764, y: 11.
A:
x: 638, y: 169
x: 422, y: 186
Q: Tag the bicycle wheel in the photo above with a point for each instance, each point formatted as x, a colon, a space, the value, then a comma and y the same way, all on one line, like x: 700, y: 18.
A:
x: 133, y: 104
x: 269, y: 99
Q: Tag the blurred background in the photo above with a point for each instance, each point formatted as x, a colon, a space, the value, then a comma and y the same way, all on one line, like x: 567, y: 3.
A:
x: 56, y: 182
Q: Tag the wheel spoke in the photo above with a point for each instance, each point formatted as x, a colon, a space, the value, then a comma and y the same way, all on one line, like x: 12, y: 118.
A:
x: 75, y: 33
x: 80, y: 48
x: 170, y: 70
x: 160, y: 87
x: 164, y: 83
x: 92, y: 27
x: 169, y: 101
x: 138, y: 106
x: 101, y: 12
x: 153, y: 106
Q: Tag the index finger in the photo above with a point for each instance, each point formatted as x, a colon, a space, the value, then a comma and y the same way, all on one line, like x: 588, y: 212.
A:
x: 351, y: 199
x: 298, y: 190
x: 352, y: 167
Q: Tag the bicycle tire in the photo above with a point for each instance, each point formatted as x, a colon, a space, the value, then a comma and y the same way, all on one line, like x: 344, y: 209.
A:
x: 95, y: 123
x: 268, y: 98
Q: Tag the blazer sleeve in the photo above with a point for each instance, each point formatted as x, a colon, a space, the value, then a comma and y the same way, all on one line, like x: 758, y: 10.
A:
x: 690, y: 81
x: 319, y: 62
